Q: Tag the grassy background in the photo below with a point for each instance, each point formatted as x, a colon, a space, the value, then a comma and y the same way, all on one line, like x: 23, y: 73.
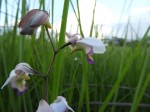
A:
x: 118, y: 81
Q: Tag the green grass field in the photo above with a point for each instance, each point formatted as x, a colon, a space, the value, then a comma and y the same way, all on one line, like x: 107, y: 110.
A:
x: 119, y: 81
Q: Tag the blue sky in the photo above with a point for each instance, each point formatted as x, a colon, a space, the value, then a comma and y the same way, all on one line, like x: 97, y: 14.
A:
x: 112, y: 15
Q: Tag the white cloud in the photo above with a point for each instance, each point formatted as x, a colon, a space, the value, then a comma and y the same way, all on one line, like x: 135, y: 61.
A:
x: 103, y: 16
x: 107, y: 18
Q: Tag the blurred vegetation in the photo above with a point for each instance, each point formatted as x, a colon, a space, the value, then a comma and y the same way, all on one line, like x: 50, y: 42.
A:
x: 119, y: 81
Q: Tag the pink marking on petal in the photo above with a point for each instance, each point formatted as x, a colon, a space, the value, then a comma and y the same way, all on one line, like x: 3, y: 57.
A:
x: 91, y: 51
x: 90, y: 59
x: 25, y: 19
x: 89, y: 56
x: 21, y: 92
x: 41, y: 20
x: 28, y: 30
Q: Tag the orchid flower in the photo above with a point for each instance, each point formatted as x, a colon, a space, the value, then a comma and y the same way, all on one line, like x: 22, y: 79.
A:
x: 90, y: 45
x: 59, y: 105
x: 32, y: 20
x: 18, y: 77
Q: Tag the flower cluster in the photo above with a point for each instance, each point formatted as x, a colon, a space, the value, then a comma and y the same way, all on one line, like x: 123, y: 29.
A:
x: 20, y: 74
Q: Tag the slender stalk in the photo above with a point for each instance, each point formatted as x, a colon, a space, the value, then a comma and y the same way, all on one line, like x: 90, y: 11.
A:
x: 52, y: 62
x: 46, y: 88
x: 50, y: 65
x: 63, y: 46
x: 46, y: 78
x: 38, y: 73
x: 50, y: 39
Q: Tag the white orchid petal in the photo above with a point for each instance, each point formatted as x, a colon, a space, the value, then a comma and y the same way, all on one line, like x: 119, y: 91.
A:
x: 23, y: 64
x: 69, y: 35
x: 73, y: 38
x: 59, y: 98
x: 24, y: 67
x: 60, y: 105
x: 84, y: 47
x: 97, y: 44
x: 68, y: 107
x: 44, y: 107
x: 18, y: 77
x: 18, y: 82
x: 12, y: 74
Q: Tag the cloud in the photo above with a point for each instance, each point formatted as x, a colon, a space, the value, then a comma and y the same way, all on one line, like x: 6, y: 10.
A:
x: 102, y: 17
x: 107, y: 18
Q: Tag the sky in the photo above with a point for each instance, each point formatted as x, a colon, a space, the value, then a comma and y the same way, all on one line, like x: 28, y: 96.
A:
x: 111, y: 16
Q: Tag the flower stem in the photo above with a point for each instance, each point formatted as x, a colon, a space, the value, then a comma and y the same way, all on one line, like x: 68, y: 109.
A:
x: 52, y: 62
x: 63, y: 46
x: 46, y: 78
x: 50, y: 38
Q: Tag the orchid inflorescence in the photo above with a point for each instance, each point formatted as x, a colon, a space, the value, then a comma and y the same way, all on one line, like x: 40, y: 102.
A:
x: 18, y: 77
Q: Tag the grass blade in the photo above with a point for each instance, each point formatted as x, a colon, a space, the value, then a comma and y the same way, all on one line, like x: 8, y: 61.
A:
x: 59, y: 58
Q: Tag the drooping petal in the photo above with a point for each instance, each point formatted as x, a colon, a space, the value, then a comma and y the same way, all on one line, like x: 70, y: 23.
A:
x: 19, y: 83
x: 12, y: 74
x: 24, y: 67
x: 18, y: 77
x: 97, y: 44
x: 26, y: 30
x: 44, y: 107
x: 60, y: 105
x: 26, y: 18
x: 32, y: 20
x: 39, y: 18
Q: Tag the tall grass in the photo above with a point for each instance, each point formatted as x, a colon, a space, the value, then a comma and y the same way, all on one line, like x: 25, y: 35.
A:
x: 59, y: 59
x: 118, y: 81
